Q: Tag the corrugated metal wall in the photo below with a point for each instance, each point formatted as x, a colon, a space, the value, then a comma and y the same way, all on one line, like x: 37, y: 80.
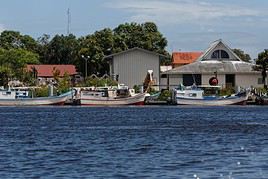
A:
x: 132, y: 67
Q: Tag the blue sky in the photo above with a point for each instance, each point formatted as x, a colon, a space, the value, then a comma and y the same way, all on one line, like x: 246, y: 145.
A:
x: 188, y: 25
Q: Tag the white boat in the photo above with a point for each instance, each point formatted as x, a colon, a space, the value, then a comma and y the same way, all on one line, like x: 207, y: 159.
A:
x: 107, y: 96
x: 196, y: 96
x: 21, y: 98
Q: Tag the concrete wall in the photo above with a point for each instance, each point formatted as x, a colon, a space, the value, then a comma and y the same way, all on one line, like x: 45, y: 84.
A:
x: 174, y: 81
x: 248, y: 80
x: 132, y: 67
x: 241, y: 80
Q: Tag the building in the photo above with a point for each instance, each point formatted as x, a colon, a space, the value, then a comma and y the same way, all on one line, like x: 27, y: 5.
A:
x: 130, y: 67
x: 218, y: 60
x: 45, y: 73
x: 184, y: 58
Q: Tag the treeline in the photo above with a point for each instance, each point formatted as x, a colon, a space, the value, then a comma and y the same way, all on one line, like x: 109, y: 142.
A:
x: 17, y: 50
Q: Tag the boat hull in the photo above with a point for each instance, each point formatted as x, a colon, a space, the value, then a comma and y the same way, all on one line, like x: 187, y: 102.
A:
x: 106, y: 101
x: 54, y: 100
x: 213, y: 102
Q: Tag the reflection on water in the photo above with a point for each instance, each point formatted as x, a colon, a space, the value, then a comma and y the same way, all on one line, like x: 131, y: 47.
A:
x: 134, y: 142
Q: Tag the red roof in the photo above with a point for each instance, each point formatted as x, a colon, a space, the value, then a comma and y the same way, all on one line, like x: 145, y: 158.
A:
x: 182, y: 58
x: 48, y: 70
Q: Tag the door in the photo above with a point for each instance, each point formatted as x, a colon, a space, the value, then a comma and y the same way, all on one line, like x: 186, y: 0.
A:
x: 230, y: 81
x: 190, y: 79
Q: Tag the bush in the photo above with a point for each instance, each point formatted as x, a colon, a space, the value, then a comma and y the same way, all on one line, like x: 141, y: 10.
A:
x: 41, y: 92
x: 98, y: 82
x: 227, y: 91
x: 165, y: 95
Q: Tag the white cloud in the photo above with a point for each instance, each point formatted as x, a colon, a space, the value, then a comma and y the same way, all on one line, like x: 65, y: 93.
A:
x: 180, y: 11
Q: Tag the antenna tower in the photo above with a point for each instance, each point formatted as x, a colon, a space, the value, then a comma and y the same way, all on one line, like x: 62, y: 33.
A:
x: 68, y: 21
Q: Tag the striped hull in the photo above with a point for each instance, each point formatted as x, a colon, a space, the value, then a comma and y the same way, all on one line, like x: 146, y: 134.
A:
x: 213, y: 102
x: 106, y: 101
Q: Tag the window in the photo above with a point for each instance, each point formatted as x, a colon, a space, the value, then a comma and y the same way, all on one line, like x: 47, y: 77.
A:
x: 219, y: 54
x: 192, y: 94
x: 224, y: 54
x: 216, y: 54
x: 260, y: 82
x: 164, y: 76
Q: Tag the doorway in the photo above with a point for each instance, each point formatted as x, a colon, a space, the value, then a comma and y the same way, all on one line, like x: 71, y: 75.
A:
x: 230, y: 81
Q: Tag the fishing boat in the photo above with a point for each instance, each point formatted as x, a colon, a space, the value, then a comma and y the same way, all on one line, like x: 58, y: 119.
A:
x: 119, y: 95
x: 196, y: 96
x: 21, y: 98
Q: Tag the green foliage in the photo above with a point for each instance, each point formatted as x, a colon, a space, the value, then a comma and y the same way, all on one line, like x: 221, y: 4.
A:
x: 226, y: 91
x: 123, y: 37
x: 151, y: 90
x: 165, y: 95
x: 14, y: 40
x: 17, y: 50
x: 64, y: 84
x: 99, y: 82
x: 13, y: 63
x: 242, y: 55
x: 136, y: 88
x: 41, y: 92
x: 60, y: 50
x: 262, y: 61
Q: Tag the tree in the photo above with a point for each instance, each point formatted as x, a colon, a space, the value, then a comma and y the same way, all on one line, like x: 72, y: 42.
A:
x: 262, y: 61
x: 43, y: 43
x: 144, y: 36
x: 96, y: 46
x: 14, y: 40
x: 123, y: 37
x: 242, y: 55
x: 13, y: 63
x: 60, y: 50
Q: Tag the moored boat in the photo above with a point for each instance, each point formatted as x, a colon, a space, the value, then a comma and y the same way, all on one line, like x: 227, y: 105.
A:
x: 21, y: 98
x: 107, y: 96
x: 196, y: 96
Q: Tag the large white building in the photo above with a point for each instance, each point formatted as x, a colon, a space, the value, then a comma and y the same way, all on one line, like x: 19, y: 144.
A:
x: 218, y: 60
x: 130, y: 67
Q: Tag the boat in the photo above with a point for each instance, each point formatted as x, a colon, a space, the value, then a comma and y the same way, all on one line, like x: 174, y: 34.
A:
x: 194, y: 95
x: 114, y: 95
x: 21, y: 98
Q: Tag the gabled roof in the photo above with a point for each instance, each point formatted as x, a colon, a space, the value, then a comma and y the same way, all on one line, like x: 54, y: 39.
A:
x: 205, y: 65
x: 133, y: 49
x: 209, y: 67
x: 185, y: 57
x: 212, y: 47
x: 48, y: 70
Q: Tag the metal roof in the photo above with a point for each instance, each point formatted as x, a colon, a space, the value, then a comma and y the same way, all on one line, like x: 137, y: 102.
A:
x: 133, y: 49
x: 208, y: 67
x: 48, y: 70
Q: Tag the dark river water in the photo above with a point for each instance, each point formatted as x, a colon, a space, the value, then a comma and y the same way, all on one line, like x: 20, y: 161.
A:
x: 134, y: 142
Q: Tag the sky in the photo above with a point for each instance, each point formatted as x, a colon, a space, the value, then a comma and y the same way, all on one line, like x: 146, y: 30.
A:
x: 188, y: 25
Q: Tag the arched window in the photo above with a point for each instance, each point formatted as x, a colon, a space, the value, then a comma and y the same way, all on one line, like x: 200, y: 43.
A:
x: 219, y: 54
x: 216, y: 54
x: 224, y: 54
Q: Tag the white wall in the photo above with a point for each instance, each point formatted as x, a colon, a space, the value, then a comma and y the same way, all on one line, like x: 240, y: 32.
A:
x: 132, y: 67
x: 246, y: 80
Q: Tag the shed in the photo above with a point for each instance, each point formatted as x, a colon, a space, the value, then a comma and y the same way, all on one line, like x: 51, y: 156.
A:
x: 130, y: 67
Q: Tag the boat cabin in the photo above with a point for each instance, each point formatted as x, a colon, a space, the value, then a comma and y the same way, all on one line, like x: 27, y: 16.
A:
x: 197, y: 92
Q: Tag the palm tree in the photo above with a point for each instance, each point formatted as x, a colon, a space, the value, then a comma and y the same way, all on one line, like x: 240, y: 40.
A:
x: 262, y: 61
